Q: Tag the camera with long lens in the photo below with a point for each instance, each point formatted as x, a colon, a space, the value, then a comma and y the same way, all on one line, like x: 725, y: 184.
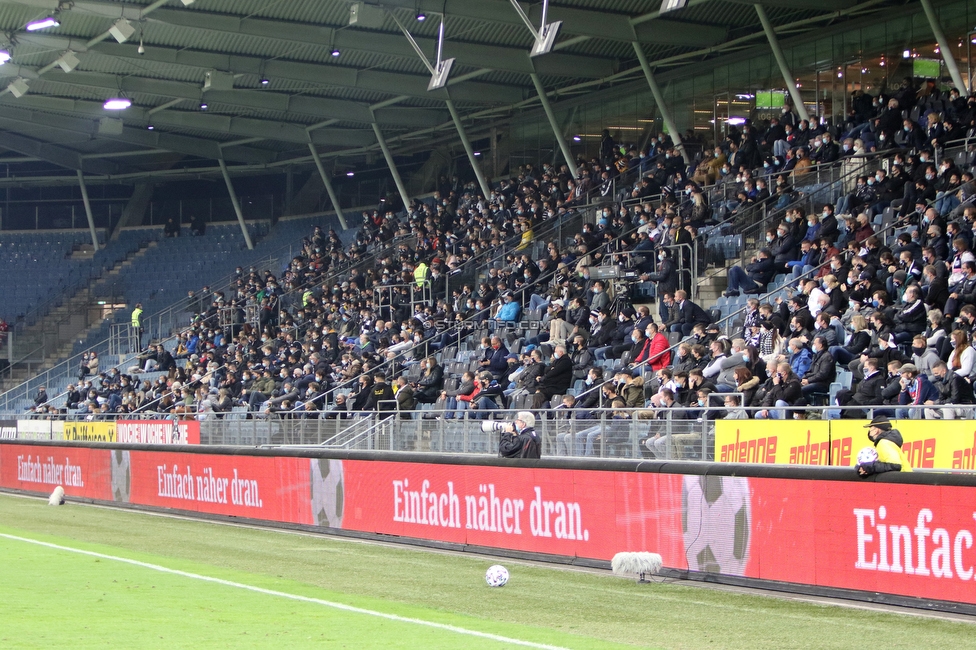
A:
x: 495, y: 427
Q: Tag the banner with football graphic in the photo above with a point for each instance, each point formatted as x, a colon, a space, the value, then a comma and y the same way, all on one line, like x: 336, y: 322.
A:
x: 902, y: 539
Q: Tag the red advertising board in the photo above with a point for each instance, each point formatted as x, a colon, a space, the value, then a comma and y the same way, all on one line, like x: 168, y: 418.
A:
x: 908, y: 540
x: 259, y: 487
x: 81, y: 471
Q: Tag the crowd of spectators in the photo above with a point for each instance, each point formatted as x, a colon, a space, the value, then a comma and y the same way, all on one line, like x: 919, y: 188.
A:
x: 375, y: 326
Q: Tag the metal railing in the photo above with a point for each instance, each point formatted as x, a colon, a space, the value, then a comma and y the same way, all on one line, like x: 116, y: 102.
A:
x: 683, y: 433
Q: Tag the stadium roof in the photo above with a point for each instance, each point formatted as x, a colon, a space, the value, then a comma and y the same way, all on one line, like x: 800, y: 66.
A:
x: 173, y: 49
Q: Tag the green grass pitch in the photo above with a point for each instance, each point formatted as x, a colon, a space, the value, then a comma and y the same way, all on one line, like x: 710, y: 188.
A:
x: 51, y: 597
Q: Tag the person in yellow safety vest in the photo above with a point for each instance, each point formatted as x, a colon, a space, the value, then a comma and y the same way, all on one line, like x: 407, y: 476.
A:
x: 420, y: 275
x: 888, y: 442
x: 305, y: 296
x: 137, y: 322
x: 527, y: 235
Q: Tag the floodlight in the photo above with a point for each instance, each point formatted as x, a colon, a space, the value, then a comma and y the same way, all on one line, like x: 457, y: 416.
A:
x: 68, y: 61
x: 18, y: 87
x: 117, y: 104
x: 122, y: 30
x: 43, y: 23
x: 545, y: 36
x: 440, y: 69
x: 187, y: 3
x: 672, y: 5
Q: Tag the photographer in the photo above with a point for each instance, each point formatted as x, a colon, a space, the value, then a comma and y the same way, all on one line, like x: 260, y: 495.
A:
x: 519, y: 440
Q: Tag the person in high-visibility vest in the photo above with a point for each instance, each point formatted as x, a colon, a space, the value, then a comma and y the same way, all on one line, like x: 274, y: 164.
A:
x: 137, y: 324
x: 420, y: 275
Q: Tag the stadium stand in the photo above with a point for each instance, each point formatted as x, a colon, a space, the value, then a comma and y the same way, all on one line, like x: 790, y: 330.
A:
x: 845, y: 256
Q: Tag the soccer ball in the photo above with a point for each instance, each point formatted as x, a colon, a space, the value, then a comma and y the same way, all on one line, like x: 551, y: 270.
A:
x: 121, y: 475
x: 327, y: 492
x: 496, y: 576
x: 867, y: 456
x: 716, y: 523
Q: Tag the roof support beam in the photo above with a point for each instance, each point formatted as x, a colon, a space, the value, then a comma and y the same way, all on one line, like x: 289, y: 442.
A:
x: 468, y: 149
x: 328, y: 185
x: 556, y: 131
x: 88, y: 210
x: 235, y: 203
x: 21, y: 118
x: 53, y: 154
x: 388, y: 155
x: 661, y: 104
x: 784, y: 68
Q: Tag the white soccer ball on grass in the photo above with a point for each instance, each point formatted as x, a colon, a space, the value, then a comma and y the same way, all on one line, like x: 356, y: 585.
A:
x: 496, y: 576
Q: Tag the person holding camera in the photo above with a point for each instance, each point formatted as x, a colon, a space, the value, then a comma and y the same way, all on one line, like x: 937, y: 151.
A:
x: 519, y: 440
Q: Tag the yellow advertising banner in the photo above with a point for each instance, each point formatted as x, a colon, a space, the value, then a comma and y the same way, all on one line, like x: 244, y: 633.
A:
x: 89, y: 431
x: 929, y: 444
x: 781, y: 442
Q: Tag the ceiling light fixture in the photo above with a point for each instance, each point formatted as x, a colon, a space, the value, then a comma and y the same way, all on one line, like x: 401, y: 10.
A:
x: 4, y: 56
x: 43, y: 23
x: 576, y: 138
x: 122, y: 30
x: 117, y: 104
x: 203, y: 106
x: 545, y: 37
x: 421, y: 16
x: 440, y: 69
x: 142, y: 48
x: 150, y: 127
x: 265, y: 81
x: 350, y: 174
x: 68, y: 61
x: 187, y: 3
x: 335, y: 51
x: 18, y: 87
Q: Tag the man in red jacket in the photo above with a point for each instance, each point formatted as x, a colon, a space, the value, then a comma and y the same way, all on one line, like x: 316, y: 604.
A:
x: 659, y: 355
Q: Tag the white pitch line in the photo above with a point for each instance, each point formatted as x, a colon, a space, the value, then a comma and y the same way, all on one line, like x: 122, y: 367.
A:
x: 282, y: 594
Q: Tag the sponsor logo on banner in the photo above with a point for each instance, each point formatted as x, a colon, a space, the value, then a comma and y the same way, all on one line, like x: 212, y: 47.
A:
x: 276, y: 489
x: 836, y: 442
x: 89, y: 431
x: 158, y: 432
x: 81, y: 471
x: 773, y: 441
x: 923, y: 448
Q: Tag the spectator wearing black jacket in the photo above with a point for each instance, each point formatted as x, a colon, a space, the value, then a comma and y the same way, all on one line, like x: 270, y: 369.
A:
x: 783, y: 389
x: 867, y: 393
x: 557, y: 378
x: 688, y: 314
x: 955, y: 394
x: 754, y: 278
x: 822, y: 371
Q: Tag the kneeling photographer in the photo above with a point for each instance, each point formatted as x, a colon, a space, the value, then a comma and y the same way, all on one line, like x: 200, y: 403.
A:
x: 518, y: 440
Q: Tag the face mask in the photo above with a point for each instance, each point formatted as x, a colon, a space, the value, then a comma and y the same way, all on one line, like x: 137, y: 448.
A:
x: 716, y: 155
x: 870, y: 181
x: 930, y: 177
x: 781, y: 233
x: 817, y: 143
x: 825, y: 214
x: 635, y: 339
x: 847, y: 147
x: 881, y: 137
x: 769, y: 238
x: 766, y: 165
x: 811, y: 224
x: 918, y: 351
x: 592, y: 321
x: 907, y: 129
x: 662, y: 257
x: 589, y: 381
x: 874, y: 303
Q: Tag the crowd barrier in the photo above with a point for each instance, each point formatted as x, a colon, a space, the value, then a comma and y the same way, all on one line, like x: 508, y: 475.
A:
x: 906, y: 539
